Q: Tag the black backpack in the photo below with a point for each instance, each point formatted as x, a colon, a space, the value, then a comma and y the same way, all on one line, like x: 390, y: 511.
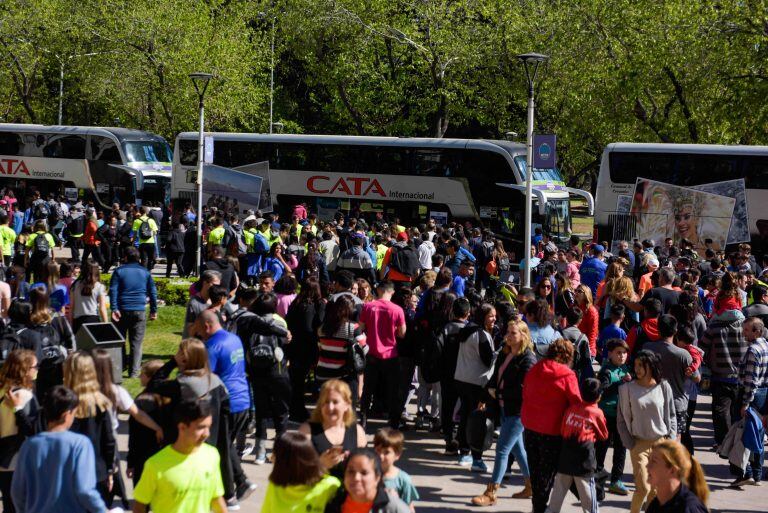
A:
x: 53, y: 355
x: 405, y: 261
x: 76, y: 225
x: 41, y: 210
x: 484, y: 253
x: 41, y: 246
x: 9, y: 341
x: 431, y: 355
x: 145, y: 230
x: 262, y: 353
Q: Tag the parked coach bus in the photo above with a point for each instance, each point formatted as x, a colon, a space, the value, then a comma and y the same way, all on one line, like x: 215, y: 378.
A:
x: 100, y: 164
x: 411, y: 178
x: 698, y: 166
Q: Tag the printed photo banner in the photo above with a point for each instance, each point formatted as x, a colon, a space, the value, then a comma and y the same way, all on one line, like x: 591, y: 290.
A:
x: 739, y: 229
x: 665, y: 210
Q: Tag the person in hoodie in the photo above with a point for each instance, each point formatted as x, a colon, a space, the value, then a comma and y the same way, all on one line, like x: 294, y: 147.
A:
x: 582, y: 360
x: 647, y: 330
x: 174, y: 250
x: 549, y: 388
x: 458, y: 254
x: 219, y: 262
x: 460, y: 312
x: 583, y: 426
x: 474, y: 367
x: 356, y: 259
x: 724, y: 347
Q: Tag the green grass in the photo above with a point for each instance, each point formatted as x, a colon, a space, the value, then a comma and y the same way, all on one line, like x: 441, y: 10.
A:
x: 161, y: 340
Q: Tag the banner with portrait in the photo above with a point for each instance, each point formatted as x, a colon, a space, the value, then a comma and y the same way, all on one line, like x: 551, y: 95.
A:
x: 234, y: 191
x: 668, y: 211
x: 739, y: 229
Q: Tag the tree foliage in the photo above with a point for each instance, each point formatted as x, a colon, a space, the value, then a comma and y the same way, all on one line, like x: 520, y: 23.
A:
x: 620, y: 70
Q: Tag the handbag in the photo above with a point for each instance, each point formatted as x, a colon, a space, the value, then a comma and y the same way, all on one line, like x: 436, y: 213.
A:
x: 355, y: 354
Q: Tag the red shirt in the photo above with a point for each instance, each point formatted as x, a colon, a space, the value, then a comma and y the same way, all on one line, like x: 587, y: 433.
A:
x: 548, y: 389
x: 89, y: 237
x: 584, y: 423
x: 589, y: 326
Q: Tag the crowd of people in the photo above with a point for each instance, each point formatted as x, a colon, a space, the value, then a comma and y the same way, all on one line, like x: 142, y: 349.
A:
x: 330, y: 331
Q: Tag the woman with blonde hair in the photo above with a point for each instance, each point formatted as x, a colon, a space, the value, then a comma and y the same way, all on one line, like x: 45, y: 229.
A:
x: 333, y: 426
x: 678, y: 480
x: 19, y: 411
x: 618, y: 291
x: 93, y: 417
x: 506, y: 386
x: 614, y: 272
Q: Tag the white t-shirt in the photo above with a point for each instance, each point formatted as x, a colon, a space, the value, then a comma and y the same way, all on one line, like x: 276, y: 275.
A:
x: 124, y: 402
x: 86, y: 305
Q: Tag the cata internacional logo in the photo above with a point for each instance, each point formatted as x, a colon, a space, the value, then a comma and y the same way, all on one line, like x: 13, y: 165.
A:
x: 13, y: 167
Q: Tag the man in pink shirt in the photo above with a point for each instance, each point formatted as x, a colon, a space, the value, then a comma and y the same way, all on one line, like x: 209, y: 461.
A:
x: 383, y: 323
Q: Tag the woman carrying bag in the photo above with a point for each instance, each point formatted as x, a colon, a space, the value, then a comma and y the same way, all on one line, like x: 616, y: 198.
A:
x: 506, y: 386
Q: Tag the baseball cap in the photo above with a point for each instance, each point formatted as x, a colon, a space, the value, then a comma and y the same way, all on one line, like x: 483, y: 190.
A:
x: 598, y: 248
x: 402, y: 236
x: 550, y: 247
x: 653, y: 261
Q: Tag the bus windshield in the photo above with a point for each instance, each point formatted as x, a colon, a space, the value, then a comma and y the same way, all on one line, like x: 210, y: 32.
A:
x: 552, y: 175
x: 147, y: 151
x: 557, y: 221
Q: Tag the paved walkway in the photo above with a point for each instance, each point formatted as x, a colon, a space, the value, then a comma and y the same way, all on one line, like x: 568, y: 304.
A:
x: 446, y: 487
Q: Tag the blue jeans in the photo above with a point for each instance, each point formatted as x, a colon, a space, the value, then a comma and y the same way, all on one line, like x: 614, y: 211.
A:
x: 510, y: 440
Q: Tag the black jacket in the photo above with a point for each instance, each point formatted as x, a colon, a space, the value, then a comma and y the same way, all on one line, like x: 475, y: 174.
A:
x: 98, y: 429
x: 514, y: 374
x: 175, y: 242
x: 251, y: 327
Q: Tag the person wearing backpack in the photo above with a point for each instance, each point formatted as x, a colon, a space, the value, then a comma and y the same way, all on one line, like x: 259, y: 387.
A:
x: 55, y: 338
x: 75, y: 230
x: 40, y: 210
x: 40, y: 246
x: 401, y: 262
x: 264, y: 336
x: 144, y: 230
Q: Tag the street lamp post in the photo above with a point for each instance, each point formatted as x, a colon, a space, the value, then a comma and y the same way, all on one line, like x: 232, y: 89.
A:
x: 531, y: 62
x: 200, y: 81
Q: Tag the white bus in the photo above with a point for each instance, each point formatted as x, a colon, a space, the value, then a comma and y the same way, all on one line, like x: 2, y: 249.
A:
x: 100, y: 164
x: 412, y: 178
x: 696, y: 166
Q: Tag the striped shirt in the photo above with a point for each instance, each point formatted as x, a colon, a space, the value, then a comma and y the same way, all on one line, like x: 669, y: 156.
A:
x: 332, y: 361
x: 753, y: 370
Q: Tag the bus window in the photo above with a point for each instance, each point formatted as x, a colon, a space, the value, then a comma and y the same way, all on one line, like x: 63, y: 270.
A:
x: 551, y: 175
x: 756, y: 172
x: 486, y: 166
x: 10, y: 144
x: 693, y: 170
x: 389, y: 160
x: 188, y: 152
x: 147, y: 151
x: 104, y: 149
x: 65, y: 147
x: 626, y: 167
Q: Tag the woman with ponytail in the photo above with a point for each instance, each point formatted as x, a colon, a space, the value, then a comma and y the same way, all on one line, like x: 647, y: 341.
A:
x: 678, y: 480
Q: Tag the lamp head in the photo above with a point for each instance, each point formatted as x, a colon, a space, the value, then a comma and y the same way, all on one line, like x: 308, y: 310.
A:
x: 200, y: 80
x: 533, y: 58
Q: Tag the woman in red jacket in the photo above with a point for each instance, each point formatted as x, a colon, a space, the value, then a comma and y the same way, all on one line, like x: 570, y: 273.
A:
x: 549, y: 388
x: 589, y: 324
x: 91, y: 239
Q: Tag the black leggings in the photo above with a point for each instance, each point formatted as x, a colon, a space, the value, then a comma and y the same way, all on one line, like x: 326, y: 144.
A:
x: 543, y: 454
x: 5, y: 488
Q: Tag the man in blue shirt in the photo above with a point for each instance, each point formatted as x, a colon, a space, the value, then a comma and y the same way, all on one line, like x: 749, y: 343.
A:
x: 227, y: 360
x: 460, y: 280
x: 458, y: 255
x: 129, y: 287
x: 592, y: 270
x: 56, y: 470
